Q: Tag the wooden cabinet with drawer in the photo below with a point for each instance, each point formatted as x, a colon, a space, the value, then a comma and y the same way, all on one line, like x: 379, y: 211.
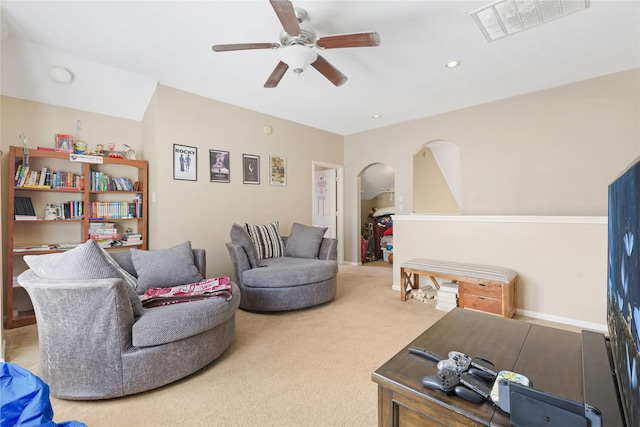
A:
x: 491, y: 297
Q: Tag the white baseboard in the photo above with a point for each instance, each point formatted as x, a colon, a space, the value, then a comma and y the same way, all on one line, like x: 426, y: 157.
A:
x: 548, y: 317
x: 573, y: 322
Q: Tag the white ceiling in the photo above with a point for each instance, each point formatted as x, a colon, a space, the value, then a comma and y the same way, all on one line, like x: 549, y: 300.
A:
x: 376, y: 179
x: 119, y: 51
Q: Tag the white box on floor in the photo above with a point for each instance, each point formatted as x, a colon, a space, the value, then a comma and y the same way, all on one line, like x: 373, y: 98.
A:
x: 445, y: 306
x: 385, y: 254
x: 447, y: 297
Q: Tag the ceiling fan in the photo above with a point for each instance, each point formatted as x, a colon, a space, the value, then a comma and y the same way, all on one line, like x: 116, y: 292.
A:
x: 298, y: 40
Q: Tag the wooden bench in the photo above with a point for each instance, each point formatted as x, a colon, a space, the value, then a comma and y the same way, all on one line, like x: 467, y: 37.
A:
x: 480, y: 287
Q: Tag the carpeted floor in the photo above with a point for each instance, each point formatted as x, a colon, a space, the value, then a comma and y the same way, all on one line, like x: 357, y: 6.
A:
x: 305, y: 368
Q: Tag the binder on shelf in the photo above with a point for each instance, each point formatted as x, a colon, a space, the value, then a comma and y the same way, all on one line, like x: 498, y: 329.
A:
x: 23, y: 209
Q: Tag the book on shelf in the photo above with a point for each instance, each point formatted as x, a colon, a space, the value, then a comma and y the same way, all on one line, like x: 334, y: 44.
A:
x: 66, y: 246
x: 33, y: 248
x: 104, y: 236
x: 130, y: 242
x: 25, y: 218
x: 16, y: 178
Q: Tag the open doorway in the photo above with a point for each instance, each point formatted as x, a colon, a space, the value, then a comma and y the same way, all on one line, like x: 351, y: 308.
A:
x: 377, y: 204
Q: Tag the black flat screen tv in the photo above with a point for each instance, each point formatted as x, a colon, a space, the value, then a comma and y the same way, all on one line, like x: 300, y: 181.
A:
x: 623, y: 293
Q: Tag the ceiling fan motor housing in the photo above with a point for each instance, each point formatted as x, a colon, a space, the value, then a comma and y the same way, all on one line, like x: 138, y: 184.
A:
x: 307, y: 36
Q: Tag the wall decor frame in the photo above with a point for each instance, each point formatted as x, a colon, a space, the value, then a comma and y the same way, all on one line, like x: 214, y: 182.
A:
x: 219, y: 166
x: 64, y: 143
x: 185, y: 162
x: 277, y: 170
x: 250, y: 169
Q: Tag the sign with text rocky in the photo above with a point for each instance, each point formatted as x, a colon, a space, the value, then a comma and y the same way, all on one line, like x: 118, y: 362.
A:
x: 185, y: 162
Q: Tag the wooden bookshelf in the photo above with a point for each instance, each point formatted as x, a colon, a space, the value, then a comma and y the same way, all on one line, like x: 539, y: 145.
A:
x: 18, y: 310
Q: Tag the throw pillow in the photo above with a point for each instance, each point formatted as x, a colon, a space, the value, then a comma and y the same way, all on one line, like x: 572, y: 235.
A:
x: 131, y: 281
x: 84, y: 262
x: 266, y: 239
x: 164, y: 268
x: 240, y: 236
x: 304, y: 241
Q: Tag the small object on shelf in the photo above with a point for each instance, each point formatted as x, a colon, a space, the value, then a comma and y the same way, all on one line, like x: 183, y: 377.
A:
x: 79, y: 146
x: 64, y: 143
x: 99, y: 151
x: 52, y: 212
x: 129, y: 153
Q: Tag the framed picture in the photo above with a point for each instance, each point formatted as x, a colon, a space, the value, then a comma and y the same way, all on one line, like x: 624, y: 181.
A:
x: 278, y: 170
x: 64, y: 143
x: 219, y: 165
x: 185, y: 162
x: 250, y: 169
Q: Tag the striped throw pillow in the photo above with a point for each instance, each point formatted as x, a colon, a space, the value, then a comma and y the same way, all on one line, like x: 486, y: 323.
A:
x: 267, y: 240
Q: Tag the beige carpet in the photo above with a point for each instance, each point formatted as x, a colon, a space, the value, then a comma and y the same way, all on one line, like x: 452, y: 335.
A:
x: 306, y: 368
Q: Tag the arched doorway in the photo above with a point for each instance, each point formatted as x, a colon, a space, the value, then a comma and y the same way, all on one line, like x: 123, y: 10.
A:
x: 436, y: 178
x: 377, y: 204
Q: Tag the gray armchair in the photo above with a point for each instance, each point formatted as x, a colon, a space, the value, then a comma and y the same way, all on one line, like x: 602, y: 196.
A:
x: 92, y: 346
x: 304, y: 276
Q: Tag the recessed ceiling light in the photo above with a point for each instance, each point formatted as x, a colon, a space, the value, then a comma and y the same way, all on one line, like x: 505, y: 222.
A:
x: 376, y: 116
x: 452, y: 64
x: 60, y: 75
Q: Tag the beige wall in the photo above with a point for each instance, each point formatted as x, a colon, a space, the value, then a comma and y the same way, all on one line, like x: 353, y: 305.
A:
x: 203, y: 211
x: 431, y: 192
x: 40, y: 122
x: 561, y: 261
x: 200, y: 211
x: 547, y: 153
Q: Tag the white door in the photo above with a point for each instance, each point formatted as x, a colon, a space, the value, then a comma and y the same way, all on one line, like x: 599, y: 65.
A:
x: 325, y: 201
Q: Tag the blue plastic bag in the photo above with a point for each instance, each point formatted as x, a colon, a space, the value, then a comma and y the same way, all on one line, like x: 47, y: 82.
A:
x: 24, y: 400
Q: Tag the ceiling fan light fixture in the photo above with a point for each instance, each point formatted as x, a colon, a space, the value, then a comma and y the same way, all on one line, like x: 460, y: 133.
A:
x: 298, y: 57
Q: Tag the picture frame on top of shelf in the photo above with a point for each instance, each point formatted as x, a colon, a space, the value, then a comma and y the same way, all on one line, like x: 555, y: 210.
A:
x: 185, y: 162
x: 250, y: 169
x: 64, y: 143
x: 278, y: 170
x: 219, y: 166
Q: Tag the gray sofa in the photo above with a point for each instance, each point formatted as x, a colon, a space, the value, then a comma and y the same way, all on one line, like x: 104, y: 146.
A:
x: 303, y: 275
x: 96, y: 340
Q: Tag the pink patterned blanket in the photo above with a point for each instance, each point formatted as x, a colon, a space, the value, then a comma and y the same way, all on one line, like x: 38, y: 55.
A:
x: 216, y: 287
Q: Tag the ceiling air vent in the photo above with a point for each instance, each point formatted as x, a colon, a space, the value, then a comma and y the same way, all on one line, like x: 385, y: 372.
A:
x: 506, y: 17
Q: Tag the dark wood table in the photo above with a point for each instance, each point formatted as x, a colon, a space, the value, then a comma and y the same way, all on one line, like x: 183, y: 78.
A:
x: 551, y: 358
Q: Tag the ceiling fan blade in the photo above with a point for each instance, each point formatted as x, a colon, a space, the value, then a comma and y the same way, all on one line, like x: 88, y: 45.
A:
x: 329, y: 71
x: 276, y: 75
x: 287, y: 16
x: 349, y: 40
x: 243, y: 46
